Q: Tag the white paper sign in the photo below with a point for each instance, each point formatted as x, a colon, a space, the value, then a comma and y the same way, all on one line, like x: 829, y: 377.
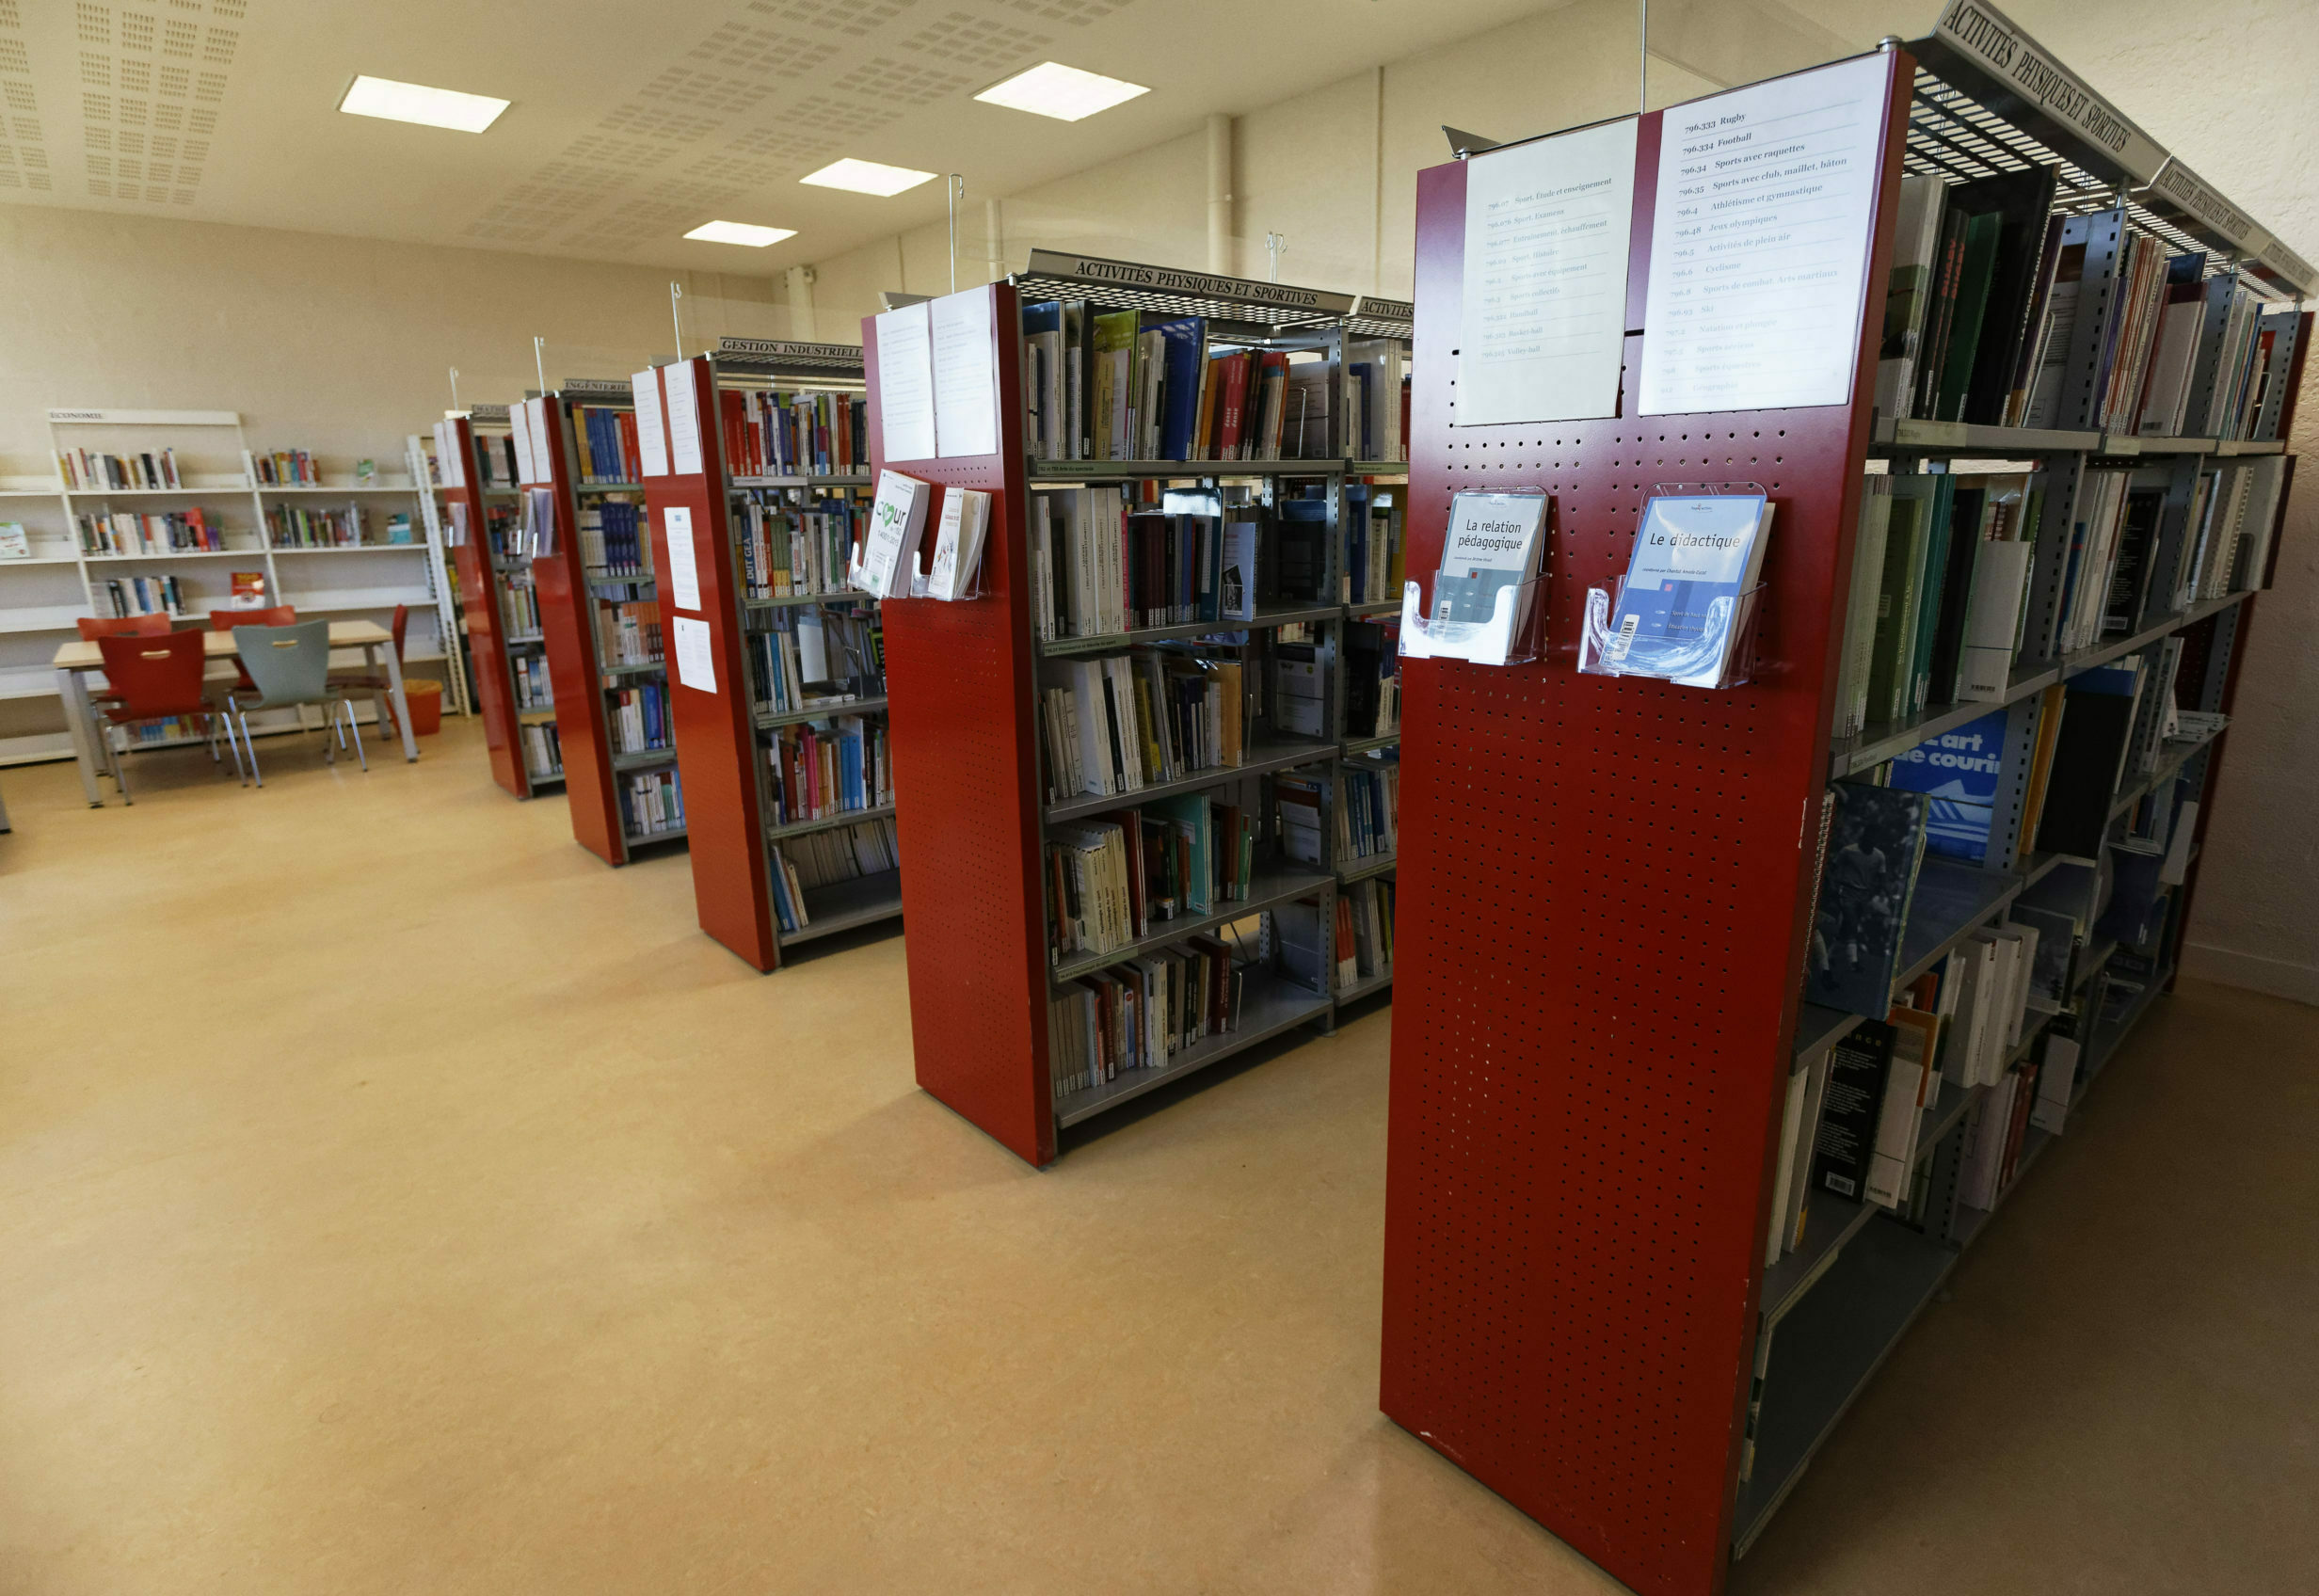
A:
x: 1759, y: 245
x: 651, y: 441
x: 906, y: 383
x: 966, y: 374
x: 447, y: 454
x: 543, y: 458
x: 683, y: 421
x: 1545, y: 321
x: 696, y: 662
x: 683, y: 570
x: 523, y: 446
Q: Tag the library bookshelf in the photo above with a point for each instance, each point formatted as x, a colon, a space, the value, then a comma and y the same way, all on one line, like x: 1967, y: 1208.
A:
x: 326, y: 546
x: 1611, y: 883
x: 505, y: 652
x: 726, y: 733
x: 964, y: 685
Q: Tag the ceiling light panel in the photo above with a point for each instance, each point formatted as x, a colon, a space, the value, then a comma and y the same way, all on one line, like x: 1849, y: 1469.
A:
x: 741, y: 233
x: 416, y: 102
x: 1064, y: 93
x: 867, y: 177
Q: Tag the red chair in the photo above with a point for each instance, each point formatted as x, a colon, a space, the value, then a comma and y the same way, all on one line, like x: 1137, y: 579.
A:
x: 376, y: 682
x: 94, y: 627
x: 156, y: 678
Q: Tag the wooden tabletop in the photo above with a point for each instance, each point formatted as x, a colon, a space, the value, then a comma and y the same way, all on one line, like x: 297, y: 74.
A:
x: 87, y: 656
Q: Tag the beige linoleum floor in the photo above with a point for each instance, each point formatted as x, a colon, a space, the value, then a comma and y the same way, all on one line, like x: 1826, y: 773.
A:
x: 393, y: 1199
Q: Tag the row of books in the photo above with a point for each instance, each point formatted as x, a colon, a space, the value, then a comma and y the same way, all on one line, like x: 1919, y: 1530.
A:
x: 1132, y: 385
x: 495, y: 459
x: 1374, y: 570
x: 177, y: 728
x: 614, y: 538
x: 628, y: 634
x: 652, y: 803
x: 287, y: 467
x: 814, y: 656
x: 1364, y: 931
x: 638, y: 718
x: 824, y: 858
x: 177, y: 532
x: 543, y: 750
x: 146, y: 596
x: 768, y: 433
x: 1372, y: 680
x: 1114, y: 877
x: 604, y: 437
x: 522, y: 608
x: 1123, y: 722
x: 1368, y: 820
x: 84, y: 471
x: 1989, y: 304
x: 299, y: 526
x: 534, y: 691
x: 826, y: 768
x: 1141, y: 1015
x: 792, y: 550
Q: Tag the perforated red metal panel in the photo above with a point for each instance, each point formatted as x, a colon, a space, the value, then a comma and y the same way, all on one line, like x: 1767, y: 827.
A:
x: 1603, y: 900
x: 487, y: 640
x: 567, y: 626
x: 716, y: 735
x: 959, y: 689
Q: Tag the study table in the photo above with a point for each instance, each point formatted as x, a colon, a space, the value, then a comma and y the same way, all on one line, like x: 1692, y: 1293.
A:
x: 77, y: 661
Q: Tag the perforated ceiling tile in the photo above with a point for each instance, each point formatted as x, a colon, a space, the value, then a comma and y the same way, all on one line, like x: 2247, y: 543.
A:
x: 705, y: 92
x: 94, y: 22
x: 138, y: 30
x: 12, y: 57
x: 857, y: 18
x: 20, y: 96
x: 630, y: 154
x: 984, y: 42
x: 790, y: 146
x: 763, y: 51
x: 9, y: 15
x: 818, y: 113
x: 1079, y: 13
x: 738, y: 171
x: 646, y: 119
x: 911, y: 85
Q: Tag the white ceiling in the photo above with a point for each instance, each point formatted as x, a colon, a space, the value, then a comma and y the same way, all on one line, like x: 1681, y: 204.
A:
x: 631, y: 122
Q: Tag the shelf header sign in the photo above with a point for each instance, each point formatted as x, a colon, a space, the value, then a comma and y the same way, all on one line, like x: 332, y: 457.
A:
x: 1990, y: 39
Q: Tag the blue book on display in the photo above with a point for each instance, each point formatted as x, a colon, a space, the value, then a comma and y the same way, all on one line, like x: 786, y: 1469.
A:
x: 1876, y: 844
x: 1958, y: 771
x: 1187, y: 345
x: 1689, y: 553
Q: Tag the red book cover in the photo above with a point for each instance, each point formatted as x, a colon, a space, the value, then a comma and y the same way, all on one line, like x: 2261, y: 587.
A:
x: 1233, y: 408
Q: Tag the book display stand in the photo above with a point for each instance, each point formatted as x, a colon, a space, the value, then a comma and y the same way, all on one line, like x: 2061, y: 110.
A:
x: 1588, y: 1080
x: 1002, y: 1022
x: 198, y: 525
x: 505, y: 649
x: 724, y: 623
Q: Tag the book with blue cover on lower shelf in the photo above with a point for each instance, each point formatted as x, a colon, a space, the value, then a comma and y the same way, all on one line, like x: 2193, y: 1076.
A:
x: 1875, y: 845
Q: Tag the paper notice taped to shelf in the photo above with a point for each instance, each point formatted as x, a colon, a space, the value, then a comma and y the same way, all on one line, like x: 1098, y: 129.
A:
x: 905, y: 383
x: 1759, y: 245
x: 1545, y: 321
x: 651, y: 441
x: 543, y: 459
x: 966, y: 374
x: 522, y: 435
x: 696, y: 660
x: 683, y: 421
x: 683, y: 566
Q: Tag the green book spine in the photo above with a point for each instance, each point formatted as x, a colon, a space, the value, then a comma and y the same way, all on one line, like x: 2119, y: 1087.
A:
x: 1895, y: 616
x: 1964, y: 344
x: 1929, y: 589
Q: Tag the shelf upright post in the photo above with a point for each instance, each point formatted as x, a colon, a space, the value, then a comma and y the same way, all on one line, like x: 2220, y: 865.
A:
x: 568, y: 629
x: 464, y: 489
x: 716, y: 739
x: 1605, y: 885
x: 446, y: 606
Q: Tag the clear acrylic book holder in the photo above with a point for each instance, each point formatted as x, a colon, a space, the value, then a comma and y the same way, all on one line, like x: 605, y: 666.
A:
x: 1492, y: 641
x: 1720, y: 654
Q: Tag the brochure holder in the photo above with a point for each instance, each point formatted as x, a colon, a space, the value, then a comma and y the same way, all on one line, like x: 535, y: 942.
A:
x: 1701, y: 662
x: 1493, y: 642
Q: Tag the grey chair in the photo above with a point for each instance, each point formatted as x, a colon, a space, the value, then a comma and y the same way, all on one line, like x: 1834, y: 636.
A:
x: 291, y: 666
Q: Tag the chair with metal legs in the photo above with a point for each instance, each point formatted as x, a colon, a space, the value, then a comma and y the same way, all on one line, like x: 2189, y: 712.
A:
x: 289, y: 666
x: 153, y: 678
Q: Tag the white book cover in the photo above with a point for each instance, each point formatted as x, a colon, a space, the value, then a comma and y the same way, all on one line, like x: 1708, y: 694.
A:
x: 1791, y: 1127
x: 1876, y: 517
x: 2057, y: 1080
x: 889, y: 548
x: 1888, y: 1167
x: 1985, y: 663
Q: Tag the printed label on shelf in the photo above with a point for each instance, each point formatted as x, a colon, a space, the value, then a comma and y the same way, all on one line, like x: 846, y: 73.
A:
x: 684, y: 565
x: 651, y: 441
x: 1759, y: 243
x: 684, y: 457
x: 906, y: 383
x: 966, y: 374
x: 1989, y: 38
x: 695, y: 661
x: 1545, y: 319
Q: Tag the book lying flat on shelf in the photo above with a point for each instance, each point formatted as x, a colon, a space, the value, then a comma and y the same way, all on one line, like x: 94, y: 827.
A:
x: 1694, y: 561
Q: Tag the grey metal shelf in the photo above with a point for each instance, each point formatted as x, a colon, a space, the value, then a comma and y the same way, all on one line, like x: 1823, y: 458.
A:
x: 643, y: 758
x: 1941, y: 438
x: 843, y: 596
x: 608, y: 487
x: 1351, y: 871
x: 1951, y: 900
x: 843, y: 906
x: 645, y: 838
x: 1382, y: 609
x: 641, y: 667
x: 1265, y: 891
x: 1263, y: 620
x: 834, y: 479
x: 1355, y: 747
x: 850, y: 817
x: 1066, y: 472
x: 1269, y: 1005
x: 1818, y: 1027
x: 1368, y: 986
x: 768, y: 719
x: 1278, y: 754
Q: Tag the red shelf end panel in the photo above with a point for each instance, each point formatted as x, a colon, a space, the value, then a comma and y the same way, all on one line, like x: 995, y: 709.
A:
x: 567, y: 627
x: 487, y: 640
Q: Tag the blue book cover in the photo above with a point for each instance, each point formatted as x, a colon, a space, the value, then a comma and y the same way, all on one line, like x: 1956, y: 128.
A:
x: 1187, y: 339
x: 1876, y: 844
x: 1958, y: 771
x: 1689, y: 553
